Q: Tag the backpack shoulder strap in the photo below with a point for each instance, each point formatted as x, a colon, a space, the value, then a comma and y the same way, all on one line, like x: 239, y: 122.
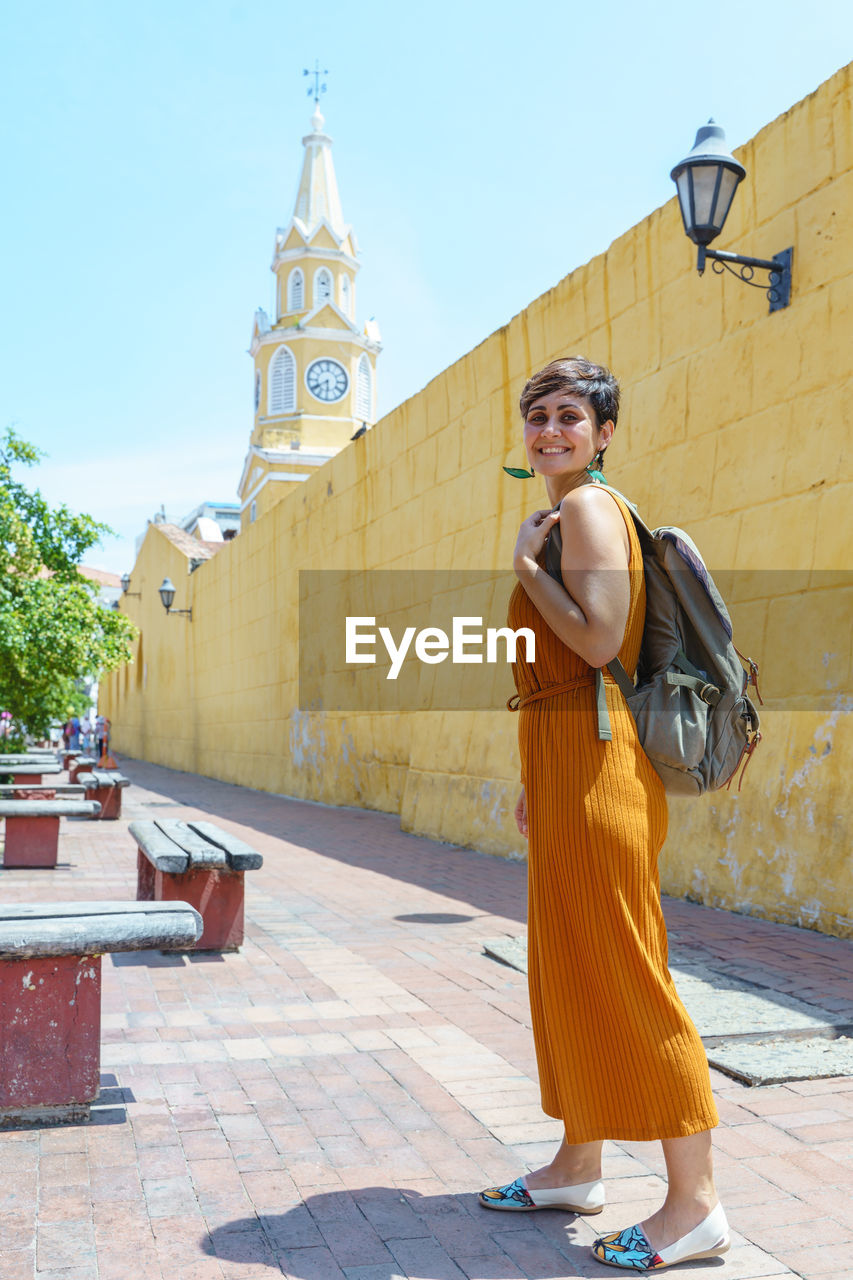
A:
x: 620, y: 675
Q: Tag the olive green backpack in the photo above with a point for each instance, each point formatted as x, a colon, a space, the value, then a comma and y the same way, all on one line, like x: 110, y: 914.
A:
x: 689, y: 701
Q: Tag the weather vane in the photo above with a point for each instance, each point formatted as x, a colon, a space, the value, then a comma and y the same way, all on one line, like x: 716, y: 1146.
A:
x: 317, y: 88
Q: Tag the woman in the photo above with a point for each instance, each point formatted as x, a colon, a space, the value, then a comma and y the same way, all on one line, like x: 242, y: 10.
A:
x: 618, y: 1056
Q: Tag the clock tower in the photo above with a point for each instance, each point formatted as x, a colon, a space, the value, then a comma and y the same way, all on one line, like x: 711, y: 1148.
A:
x: 314, y: 368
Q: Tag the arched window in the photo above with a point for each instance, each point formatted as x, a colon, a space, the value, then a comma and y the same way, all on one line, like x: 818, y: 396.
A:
x: 253, y: 512
x: 282, y: 382
x: 296, y: 290
x: 322, y: 286
x: 257, y: 390
x: 364, y: 390
x: 345, y: 295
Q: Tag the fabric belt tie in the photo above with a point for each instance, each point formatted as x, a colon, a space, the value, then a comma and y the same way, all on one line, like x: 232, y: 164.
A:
x: 597, y: 678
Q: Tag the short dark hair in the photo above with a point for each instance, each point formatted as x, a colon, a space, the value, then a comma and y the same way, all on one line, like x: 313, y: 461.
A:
x: 574, y: 373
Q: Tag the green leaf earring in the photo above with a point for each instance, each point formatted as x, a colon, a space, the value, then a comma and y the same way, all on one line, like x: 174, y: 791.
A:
x: 593, y: 468
x: 518, y: 473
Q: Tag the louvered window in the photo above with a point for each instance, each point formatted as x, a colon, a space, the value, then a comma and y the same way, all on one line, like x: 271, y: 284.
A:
x: 282, y: 382
x: 296, y: 291
x: 363, y: 390
x: 322, y: 287
x: 345, y: 295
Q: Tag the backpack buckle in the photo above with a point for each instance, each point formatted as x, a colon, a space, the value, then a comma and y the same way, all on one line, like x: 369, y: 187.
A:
x: 709, y: 693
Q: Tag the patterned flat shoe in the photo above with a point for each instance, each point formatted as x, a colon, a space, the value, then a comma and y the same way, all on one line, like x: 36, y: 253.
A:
x: 631, y: 1250
x: 586, y: 1197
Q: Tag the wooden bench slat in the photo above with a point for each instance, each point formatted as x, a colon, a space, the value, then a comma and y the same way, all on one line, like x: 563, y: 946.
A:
x: 109, y: 778
x: 31, y: 767
x: 10, y: 790
x: 162, y: 852
x: 74, y: 928
x: 202, y: 853
x: 60, y: 808
x: 241, y: 856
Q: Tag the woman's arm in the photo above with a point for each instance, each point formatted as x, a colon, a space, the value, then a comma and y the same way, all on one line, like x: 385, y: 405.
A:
x: 590, y: 615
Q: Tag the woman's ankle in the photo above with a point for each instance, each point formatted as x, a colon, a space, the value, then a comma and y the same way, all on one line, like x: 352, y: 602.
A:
x: 564, y: 1174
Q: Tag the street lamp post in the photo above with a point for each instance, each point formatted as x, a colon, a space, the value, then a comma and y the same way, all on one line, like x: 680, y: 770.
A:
x: 166, y: 592
x: 706, y: 180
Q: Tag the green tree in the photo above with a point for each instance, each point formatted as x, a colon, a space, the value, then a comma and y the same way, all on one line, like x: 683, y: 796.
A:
x: 53, y: 631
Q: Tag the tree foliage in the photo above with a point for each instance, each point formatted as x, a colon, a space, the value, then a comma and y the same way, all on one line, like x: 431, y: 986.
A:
x: 53, y: 630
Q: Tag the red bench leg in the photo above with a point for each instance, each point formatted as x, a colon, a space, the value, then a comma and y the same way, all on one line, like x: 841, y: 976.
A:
x: 109, y: 799
x: 50, y: 1062
x: 144, y: 878
x: 218, y: 898
x: 31, y: 842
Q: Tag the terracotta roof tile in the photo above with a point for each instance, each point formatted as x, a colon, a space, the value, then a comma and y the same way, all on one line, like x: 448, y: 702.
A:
x: 99, y: 575
x: 193, y: 548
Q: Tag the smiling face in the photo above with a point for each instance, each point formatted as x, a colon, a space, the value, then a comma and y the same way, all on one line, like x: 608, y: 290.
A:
x: 562, y: 435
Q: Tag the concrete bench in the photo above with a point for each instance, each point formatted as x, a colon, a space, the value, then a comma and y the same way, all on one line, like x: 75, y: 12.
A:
x: 30, y: 770
x: 30, y: 753
x: 24, y: 790
x: 105, y: 786
x: 201, y: 864
x: 32, y: 829
x: 81, y: 764
x: 50, y: 996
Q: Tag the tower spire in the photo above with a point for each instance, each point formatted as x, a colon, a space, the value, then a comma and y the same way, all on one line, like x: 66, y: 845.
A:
x: 317, y: 196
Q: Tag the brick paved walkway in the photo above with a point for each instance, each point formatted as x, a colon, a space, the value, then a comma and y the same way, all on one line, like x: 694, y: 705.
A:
x: 327, y: 1102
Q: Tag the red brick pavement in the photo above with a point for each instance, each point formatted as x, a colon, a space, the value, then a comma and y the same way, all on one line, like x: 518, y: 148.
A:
x: 327, y: 1102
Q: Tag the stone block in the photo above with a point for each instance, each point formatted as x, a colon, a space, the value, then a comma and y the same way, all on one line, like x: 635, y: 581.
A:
x: 564, y: 322
x: 591, y: 280
x: 31, y: 842
x: 793, y: 156
x: 750, y: 461
x: 691, y: 315
x: 635, y: 341
x: 620, y: 269
x: 51, y: 1064
x: 217, y: 895
x: 790, y: 549
x: 823, y: 249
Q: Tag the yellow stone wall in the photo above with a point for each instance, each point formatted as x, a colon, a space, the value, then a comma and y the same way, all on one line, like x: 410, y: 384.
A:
x: 736, y: 425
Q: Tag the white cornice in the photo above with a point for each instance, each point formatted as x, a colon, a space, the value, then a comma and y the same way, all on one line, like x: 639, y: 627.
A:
x: 296, y: 457
x: 290, y: 476
x: 308, y: 251
x: 276, y: 337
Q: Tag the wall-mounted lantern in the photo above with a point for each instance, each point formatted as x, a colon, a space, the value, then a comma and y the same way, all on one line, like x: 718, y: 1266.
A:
x: 125, y: 586
x: 706, y: 180
x: 167, y: 595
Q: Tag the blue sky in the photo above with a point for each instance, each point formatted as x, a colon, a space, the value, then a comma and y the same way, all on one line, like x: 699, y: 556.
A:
x: 483, y: 150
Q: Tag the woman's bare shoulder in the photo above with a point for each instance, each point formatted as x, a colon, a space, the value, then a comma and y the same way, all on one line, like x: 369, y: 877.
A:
x: 589, y: 499
x: 589, y: 511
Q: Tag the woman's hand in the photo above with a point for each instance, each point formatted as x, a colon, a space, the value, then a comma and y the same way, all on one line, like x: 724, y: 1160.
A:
x: 531, y: 538
x: 521, y: 813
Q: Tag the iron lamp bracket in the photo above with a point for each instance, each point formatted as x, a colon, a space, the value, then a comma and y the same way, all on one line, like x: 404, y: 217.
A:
x: 779, y: 268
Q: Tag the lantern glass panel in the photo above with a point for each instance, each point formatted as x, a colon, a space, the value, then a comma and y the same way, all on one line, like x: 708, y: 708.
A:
x: 685, y: 199
x: 705, y: 178
x: 728, y: 186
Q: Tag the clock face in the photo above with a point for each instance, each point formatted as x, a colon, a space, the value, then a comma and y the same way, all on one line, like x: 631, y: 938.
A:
x: 327, y: 380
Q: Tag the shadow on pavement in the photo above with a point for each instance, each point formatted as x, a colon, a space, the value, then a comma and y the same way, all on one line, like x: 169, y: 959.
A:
x: 366, y: 839
x: 387, y: 1233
